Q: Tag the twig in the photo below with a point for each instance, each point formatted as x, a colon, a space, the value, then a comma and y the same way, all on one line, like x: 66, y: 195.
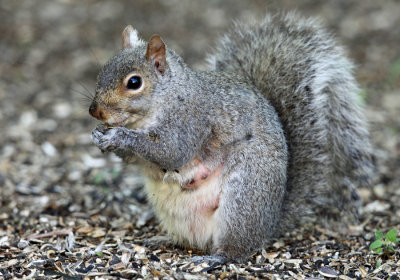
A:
x: 50, y: 234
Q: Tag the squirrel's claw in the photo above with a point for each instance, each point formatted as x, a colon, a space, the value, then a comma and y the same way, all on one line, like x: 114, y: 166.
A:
x: 101, y: 128
x: 108, y: 140
x: 96, y: 136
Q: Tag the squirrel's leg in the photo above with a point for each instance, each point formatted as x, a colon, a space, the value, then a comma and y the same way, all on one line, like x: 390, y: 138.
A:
x: 250, y: 202
x: 158, y: 241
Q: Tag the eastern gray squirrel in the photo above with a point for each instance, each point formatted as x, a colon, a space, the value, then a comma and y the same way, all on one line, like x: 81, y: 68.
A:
x: 272, y: 136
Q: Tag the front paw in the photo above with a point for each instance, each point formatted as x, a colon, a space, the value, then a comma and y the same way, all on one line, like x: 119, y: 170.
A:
x: 109, y: 140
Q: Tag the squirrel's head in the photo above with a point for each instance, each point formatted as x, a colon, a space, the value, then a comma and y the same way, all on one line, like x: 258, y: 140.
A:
x: 125, y: 85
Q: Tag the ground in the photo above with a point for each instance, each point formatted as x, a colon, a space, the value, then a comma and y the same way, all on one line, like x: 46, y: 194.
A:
x: 68, y: 211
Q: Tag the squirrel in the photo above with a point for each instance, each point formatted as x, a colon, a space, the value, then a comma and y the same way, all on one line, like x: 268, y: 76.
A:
x: 270, y: 138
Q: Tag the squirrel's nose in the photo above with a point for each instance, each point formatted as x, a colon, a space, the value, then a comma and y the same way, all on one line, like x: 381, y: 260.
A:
x: 97, y: 112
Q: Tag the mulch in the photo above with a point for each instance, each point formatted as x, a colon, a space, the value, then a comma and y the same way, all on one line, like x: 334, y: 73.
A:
x: 67, y: 211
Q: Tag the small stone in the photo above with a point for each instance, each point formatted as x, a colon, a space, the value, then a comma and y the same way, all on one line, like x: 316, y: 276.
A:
x: 49, y: 149
x: 278, y: 244
x: 93, y: 162
x: 287, y: 255
x: 43, y: 220
x: 74, y: 175
x: 28, y: 118
x: 62, y: 110
x: 376, y: 206
x: 4, y: 243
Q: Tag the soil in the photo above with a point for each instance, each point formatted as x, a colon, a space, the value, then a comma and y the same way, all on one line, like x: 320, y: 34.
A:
x: 67, y: 211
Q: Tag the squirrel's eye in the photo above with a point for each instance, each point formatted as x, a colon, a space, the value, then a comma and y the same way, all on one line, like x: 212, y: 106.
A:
x: 134, y: 82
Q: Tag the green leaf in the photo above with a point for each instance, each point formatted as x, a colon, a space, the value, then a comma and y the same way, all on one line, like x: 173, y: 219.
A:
x: 378, y: 263
x: 394, y: 71
x: 378, y: 234
x: 99, y: 178
x: 391, y: 235
x: 376, y: 244
x: 391, y: 248
x: 397, y: 240
x: 363, y: 96
x: 378, y: 250
x: 99, y: 254
x: 115, y: 173
x: 104, y: 189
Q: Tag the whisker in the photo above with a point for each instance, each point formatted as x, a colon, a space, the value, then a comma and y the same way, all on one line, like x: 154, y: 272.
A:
x: 83, y: 94
x: 86, y: 89
x: 85, y: 102
x: 98, y: 64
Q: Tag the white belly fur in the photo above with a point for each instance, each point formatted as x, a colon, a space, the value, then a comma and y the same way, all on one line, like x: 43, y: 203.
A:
x: 189, y: 216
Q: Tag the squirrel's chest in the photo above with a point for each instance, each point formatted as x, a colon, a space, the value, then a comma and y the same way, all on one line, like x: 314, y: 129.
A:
x: 187, y: 214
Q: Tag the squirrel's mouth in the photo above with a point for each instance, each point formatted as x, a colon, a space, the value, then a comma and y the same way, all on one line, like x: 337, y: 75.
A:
x: 125, y: 123
x: 116, y: 124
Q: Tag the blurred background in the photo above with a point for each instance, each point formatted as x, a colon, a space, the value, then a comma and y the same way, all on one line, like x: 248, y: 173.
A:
x: 51, y: 52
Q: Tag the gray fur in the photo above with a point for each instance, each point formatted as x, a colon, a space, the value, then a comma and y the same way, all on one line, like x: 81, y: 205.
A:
x: 309, y: 81
x: 278, y: 113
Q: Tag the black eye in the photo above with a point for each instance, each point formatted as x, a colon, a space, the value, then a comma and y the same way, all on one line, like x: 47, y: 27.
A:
x: 134, y: 82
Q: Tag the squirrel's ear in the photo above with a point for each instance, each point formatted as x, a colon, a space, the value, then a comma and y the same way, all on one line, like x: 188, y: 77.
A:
x: 156, y: 53
x: 130, y: 38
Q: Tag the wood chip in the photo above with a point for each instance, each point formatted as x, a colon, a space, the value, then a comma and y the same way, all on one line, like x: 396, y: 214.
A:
x: 328, y: 272
x: 67, y: 211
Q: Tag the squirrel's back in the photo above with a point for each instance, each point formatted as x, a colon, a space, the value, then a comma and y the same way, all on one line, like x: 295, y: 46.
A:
x: 303, y: 73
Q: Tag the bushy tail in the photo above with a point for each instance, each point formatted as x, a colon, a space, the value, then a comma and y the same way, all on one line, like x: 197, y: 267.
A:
x: 298, y: 67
